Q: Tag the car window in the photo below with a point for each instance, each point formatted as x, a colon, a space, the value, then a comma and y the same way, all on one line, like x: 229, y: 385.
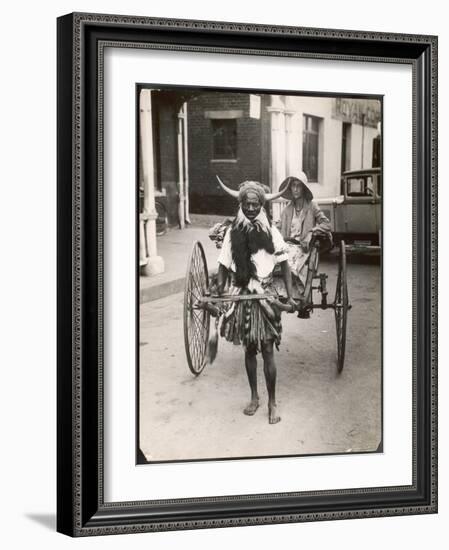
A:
x: 360, y: 186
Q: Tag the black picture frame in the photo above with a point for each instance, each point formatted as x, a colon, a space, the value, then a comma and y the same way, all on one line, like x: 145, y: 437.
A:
x: 81, y: 510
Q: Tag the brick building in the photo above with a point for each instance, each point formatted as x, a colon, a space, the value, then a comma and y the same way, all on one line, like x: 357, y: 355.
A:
x: 227, y: 136
x: 198, y: 134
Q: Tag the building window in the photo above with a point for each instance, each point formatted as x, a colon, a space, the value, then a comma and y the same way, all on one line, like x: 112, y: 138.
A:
x: 310, y: 146
x: 224, y: 138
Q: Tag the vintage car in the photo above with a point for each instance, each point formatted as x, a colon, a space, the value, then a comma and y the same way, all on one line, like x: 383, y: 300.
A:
x: 356, y: 215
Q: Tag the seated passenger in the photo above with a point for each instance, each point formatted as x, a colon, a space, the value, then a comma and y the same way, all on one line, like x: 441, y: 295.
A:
x: 300, y: 219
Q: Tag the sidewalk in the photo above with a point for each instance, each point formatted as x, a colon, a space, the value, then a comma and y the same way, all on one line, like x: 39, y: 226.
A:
x: 175, y: 247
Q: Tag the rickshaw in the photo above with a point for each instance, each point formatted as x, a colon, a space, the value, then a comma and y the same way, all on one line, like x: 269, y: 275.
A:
x: 200, y: 304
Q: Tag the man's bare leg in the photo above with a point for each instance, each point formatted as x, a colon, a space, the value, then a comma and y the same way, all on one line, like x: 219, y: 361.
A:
x: 269, y: 369
x: 251, y: 371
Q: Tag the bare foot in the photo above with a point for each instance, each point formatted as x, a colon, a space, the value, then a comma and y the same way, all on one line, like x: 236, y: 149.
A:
x: 272, y: 417
x: 251, y: 408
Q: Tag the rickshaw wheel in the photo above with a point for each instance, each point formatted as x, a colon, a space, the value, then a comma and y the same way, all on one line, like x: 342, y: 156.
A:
x: 196, y: 320
x: 341, y: 307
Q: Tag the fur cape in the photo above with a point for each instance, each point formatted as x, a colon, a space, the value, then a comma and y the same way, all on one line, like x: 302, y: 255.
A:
x: 248, y: 237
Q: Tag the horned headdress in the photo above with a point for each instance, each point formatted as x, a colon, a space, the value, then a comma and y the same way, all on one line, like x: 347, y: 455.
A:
x: 247, y: 186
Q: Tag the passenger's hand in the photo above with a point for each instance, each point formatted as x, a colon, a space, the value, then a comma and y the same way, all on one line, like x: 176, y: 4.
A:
x: 292, y: 303
x: 305, y: 244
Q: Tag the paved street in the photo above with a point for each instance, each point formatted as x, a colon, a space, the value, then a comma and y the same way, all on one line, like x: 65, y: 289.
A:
x: 187, y: 417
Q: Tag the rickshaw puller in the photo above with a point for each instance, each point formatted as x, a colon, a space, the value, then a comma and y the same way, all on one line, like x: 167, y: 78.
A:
x: 251, y: 249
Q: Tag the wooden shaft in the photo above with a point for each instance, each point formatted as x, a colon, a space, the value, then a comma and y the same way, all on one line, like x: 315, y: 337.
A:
x: 205, y: 301
x: 235, y: 297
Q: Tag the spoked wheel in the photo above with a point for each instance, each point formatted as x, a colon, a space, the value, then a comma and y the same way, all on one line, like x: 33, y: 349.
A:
x: 341, y: 307
x: 196, y: 320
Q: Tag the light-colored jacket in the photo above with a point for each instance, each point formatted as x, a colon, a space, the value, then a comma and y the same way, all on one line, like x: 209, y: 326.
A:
x: 312, y: 217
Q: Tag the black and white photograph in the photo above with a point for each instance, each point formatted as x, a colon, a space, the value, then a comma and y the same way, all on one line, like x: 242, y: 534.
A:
x: 259, y: 276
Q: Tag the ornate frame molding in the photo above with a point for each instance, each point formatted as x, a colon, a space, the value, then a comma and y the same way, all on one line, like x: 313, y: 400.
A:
x: 81, y: 508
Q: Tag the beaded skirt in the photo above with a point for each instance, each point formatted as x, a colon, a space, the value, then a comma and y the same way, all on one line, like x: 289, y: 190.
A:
x: 252, y: 322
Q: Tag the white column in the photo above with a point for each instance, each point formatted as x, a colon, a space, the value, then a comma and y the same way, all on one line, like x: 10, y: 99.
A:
x: 292, y: 137
x: 277, y: 149
x: 155, y: 263
x: 186, y: 165
x: 363, y: 142
x: 143, y: 258
x: 181, y: 205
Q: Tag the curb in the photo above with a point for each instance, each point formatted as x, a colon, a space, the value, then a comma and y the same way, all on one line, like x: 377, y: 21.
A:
x: 156, y: 292
x: 163, y: 290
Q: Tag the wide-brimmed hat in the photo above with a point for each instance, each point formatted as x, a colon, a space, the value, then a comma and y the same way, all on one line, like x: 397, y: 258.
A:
x: 286, y: 191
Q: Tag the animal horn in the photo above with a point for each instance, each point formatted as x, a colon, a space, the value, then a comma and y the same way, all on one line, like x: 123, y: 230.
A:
x: 272, y: 196
x: 234, y: 193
